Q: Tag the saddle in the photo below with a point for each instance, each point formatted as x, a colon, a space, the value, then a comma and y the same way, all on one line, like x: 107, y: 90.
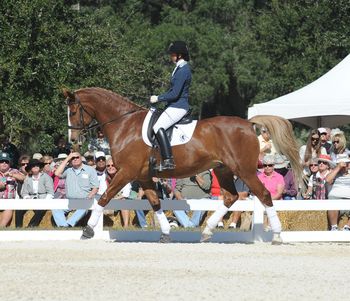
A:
x: 156, y: 114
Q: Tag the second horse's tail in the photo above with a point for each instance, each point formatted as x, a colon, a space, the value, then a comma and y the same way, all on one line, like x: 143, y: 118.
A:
x: 282, y: 135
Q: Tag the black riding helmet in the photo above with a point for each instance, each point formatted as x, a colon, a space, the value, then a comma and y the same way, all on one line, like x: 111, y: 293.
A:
x: 179, y: 47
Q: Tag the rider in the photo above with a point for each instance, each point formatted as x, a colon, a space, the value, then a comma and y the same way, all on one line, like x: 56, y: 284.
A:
x: 176, y: 97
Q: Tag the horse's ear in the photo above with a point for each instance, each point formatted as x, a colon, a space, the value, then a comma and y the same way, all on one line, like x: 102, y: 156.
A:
x: 67, y: 94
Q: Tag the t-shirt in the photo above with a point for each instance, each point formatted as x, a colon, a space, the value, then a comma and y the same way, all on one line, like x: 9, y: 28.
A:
x: 271, y: 182
x: 341, y: 187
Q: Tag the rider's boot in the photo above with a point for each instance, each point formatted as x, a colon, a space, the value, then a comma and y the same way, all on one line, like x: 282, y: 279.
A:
x: 165, y: 149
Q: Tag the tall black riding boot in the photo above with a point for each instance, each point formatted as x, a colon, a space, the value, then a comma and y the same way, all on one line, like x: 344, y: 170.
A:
x: 165, y: 150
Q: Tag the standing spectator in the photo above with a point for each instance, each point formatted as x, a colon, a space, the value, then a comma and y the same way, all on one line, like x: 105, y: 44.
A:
x: 266, y: 144
x: 9, y: 148
x: 317, y: 187
x: 290, y: 188
x: 324, y: 139
x: 61, y: 147
x: 123, y: 194
x: 8, y: 186
x: 338, y: 145
x: 19, y: 214
x: 37, y: 185
x: 272, y: 180
x: 195, y: 187
x: 99, y: 143
x: 81, y: 183
x: 312, y: 149
x: 340, y: 178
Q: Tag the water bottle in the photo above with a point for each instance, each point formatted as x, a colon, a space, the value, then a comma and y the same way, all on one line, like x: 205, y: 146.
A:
x: 11, y: 188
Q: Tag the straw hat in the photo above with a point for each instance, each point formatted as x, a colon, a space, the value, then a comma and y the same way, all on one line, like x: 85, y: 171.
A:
x: 60, y: 157
x: 343, y: 158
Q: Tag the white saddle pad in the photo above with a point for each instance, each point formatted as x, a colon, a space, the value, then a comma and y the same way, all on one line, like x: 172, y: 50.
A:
x: 182, y: 133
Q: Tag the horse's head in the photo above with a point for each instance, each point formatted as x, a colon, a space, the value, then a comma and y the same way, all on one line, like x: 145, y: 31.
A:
x: 79, y: 117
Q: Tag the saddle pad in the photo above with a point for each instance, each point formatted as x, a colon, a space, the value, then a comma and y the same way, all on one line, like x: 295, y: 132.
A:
x: 182, y: 133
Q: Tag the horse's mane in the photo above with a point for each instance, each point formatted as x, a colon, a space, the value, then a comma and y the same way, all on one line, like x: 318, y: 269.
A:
x: 108, y: 95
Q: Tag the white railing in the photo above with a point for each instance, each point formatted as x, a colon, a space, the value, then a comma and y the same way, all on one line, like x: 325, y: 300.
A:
x: 256, y: 234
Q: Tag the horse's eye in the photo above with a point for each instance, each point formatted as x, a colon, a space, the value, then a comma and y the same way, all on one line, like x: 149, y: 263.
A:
x: 71, y: 114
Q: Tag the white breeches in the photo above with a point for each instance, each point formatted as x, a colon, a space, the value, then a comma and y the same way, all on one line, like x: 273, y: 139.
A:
x: 169, y: 117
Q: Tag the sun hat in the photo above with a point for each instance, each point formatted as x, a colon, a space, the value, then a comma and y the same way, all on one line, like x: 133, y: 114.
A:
x: 281, y: 161
x: 5, y: 157
x: 60, y: 157
x: 343, y: 158
x: 269, y: 159
x: 322, y: 130
x: 326, y: 158
x: 100, y: 154
x: 37, y: 156
x: 32, y: 163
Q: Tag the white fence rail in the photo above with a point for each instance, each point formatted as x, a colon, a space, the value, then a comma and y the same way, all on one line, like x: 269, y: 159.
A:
x: 256, y: 234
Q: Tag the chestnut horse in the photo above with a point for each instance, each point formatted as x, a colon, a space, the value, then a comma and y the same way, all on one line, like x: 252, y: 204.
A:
x: 227, y: 144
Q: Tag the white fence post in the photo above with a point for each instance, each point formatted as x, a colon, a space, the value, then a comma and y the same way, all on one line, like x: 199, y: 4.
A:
x: 258, y: 220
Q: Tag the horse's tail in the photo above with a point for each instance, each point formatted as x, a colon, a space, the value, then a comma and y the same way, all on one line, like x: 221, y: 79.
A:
x: 282, y: 135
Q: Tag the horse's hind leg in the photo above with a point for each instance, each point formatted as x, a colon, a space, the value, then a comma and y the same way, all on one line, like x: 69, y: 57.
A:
x: 259, y: 190
x: 225, y: 178
x: 151, y: 194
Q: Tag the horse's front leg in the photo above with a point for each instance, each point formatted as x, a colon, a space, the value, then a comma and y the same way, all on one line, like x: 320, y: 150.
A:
x: 117, y: 183
x: 152, y: 196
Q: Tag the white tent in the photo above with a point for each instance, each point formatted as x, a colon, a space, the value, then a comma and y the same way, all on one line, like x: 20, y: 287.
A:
x: 324, y: 102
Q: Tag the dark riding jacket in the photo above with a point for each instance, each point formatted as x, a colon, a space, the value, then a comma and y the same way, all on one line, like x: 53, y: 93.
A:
x: 177, y: 95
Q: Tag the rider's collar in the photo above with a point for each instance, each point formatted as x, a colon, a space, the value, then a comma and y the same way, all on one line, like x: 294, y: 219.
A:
x: 180, y: 63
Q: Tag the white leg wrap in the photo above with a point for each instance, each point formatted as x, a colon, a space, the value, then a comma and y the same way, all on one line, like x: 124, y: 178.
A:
x: 273, y: 219
x: 95, y: 215
x: 163, y: 222
x: 213, y: 220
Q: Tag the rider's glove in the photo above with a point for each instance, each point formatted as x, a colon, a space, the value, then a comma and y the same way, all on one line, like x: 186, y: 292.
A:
x: 154, y: 99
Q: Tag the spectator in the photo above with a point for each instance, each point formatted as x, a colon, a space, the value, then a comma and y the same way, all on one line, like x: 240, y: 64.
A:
x: 338, y: 145
x: 81, y: 183
x: 324, y: 139
x: 48, y: 165
x: 8, y: 185
x: 37, y: 156
x: 37, y: 185
x: 216, y: 193
x: 195, y: 187
x: 312, y: 149
x: 266, y: 144
x: 90, y: 161
x: 340, y: 178
x: 123, y: 194
x: 99, y: 143
x: 9, y: 148
x: 100, y: 166
x: 290, y: 188
x: 59, y: 184
x: 272, y: 180
x: 61, y: 147
x: 19, y: 214
x: 317, y: 187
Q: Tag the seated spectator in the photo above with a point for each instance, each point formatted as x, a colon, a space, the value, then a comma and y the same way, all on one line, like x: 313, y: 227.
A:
x: 317, y: 187
x: 312, y: 149
x: 122, y: 194
x: 324, y: 139
x: 8, y: 185
x: 340, y: 178
x: 290, y: 188
x: 99, y: 143
x: 37, y: 185
x: 195, y: 187
x: 9, y: 148
x: 59, y: 184
x: 266, y: 144
x: 100, y: 166
x: 37, y: 156
x: 272, y: 180
x: 61, y: 147
x: 81, y: 183
x: 338, y: 145
x: 48, y: 164
x: 215, y: 193
x: 19, y: 214
x: 90, y: 161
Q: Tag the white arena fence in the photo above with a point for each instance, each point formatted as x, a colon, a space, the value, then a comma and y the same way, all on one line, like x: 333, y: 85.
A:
x: 257, y: 232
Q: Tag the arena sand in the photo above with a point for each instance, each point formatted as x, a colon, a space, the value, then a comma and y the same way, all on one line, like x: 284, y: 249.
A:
x: 99, y: 270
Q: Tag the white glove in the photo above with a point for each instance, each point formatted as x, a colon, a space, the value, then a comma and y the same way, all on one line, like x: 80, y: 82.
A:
x: 154, y: 99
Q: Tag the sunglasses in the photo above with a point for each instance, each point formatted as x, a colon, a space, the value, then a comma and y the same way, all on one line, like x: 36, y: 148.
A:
x: 47, y: 163
x: 100, y: 159
x: 313, y: 165
x: 74, y: 158
x: 5, y: 161
x: 315, y: 139
x: 110, y: 165
x: 268, y: 165
x: 336, y: 142
x: 324, y: 163
x: 24, y: 164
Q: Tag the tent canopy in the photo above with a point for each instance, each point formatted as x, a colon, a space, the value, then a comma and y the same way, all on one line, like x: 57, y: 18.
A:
x: 324, y: 102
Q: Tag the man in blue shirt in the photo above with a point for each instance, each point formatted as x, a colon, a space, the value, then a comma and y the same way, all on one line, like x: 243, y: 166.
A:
x: 177, y: 99
x: 81, y: 183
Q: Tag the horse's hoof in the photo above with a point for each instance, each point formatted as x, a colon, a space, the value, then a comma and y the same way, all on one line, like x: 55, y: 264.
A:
x: 276, y: 239
x: 206, y: 235
x: 88, y: 233
x: 165, y: 238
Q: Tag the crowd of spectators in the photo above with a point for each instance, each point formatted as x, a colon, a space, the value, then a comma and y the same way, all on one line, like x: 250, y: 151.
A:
x: 65, y: 173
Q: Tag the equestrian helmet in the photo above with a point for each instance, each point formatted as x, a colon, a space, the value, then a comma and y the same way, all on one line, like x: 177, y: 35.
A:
x: 178, y: 47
